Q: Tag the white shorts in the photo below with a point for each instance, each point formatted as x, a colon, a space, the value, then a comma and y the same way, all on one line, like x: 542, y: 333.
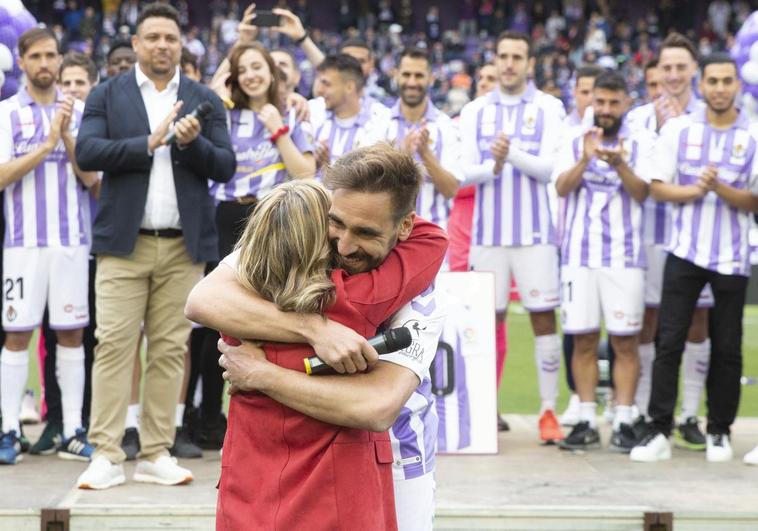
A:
x: 656, y: 261
x: 534, y: 267
x: 616, y: 294
x: 37, y: 276
x: 414, y: 503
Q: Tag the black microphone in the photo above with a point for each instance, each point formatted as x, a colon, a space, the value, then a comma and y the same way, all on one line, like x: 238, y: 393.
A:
x: 200, y: 112
x: 392, y: 340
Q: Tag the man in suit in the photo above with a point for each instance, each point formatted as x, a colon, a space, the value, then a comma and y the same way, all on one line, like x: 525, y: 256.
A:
x: 153, y: 233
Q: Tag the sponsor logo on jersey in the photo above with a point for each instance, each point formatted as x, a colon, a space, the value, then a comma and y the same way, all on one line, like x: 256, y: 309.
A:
x: 11, y: 314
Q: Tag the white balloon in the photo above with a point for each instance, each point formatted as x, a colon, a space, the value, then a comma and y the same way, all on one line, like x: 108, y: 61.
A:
x: 14, y: 7
x: 754, y: 51
x: 749, y: 72
x: 6, y: 58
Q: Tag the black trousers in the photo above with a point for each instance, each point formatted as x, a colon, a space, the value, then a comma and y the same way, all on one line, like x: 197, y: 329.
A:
x: 231, y: 219
x: 52, y: 391
x: 682, y: 283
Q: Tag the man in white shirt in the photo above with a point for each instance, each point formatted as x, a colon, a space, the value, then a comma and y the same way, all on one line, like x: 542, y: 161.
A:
x: 707, y: 165
x: 153, y: 234
x: 508, y: 140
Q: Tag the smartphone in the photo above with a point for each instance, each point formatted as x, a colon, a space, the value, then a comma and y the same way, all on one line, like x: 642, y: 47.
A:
x: 266, y: 19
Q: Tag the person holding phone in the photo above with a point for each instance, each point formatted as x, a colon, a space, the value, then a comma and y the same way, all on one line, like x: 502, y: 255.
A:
x: 272, y: 146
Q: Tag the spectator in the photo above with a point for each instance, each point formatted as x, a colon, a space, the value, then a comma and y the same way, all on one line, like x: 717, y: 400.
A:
x: 72, y: 19
x: 89, y: 26
x: 719, y: 12
x: 120, y: 59
x: 151, y: 241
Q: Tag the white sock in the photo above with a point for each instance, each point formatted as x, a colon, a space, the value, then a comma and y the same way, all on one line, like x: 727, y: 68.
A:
x: 132, y: 416
x: 69, y: 369
x: 14, y: 371
x: 623, y: 416
x: 179, y: 420
x: 547, y: 354
x: 588, y: 412
x: 642, y: 395
x: 697, y: 357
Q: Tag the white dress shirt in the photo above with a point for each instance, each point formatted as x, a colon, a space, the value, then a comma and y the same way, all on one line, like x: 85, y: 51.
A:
x: 161, y: 210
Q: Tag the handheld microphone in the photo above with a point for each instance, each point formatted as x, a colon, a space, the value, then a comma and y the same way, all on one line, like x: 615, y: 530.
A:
x: 200, y: 112
x: 392, y: 340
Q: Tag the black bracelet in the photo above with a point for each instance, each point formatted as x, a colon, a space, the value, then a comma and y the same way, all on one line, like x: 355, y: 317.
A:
x: 301, y: 39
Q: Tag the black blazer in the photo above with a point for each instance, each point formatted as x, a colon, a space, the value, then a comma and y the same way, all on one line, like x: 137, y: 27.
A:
x: 113, y: 139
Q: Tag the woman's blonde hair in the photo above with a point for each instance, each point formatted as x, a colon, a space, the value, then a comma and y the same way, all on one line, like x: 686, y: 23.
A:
x: 284, y: 250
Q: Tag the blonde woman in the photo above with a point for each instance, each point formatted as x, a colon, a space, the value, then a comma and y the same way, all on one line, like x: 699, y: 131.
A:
x: 282, y: 469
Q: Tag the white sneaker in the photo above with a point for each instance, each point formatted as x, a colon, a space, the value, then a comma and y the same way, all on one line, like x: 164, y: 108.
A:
x: 654, y: 447
x: 29, y: 413
x: 751, y: 458
x: 164, y: 471
x: 101, y: 474
x: 570, y: 417
x: 717, y: 448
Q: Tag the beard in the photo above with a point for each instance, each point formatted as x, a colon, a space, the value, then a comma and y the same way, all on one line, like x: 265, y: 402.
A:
x: 611, y: 129
x: 40, y: 83
x: 721, y: 109
x: 414, y: 100
x: 359, y: 261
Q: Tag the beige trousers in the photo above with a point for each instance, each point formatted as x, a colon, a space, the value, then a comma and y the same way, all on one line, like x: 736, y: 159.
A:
x: 151, y: 285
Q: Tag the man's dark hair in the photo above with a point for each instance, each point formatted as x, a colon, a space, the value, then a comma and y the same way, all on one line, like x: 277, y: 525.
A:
x: 115, y: 45
x: 414, y: 52
x: 717, y: 58
x: 652, y: 63
x: 611, y: 80
x: 346, y: 65
x: 355, y: 43
x: 677, y: 40
x: 511, y: 35
x: 592, y: 71
x: 376, y: 169
x: 288, y: 52
x: 81, y: 60
x: 34, y: 35
x: 188, y: 58
x: 158, y: 9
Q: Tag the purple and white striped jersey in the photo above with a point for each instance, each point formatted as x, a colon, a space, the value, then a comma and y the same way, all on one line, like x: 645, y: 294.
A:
x: 369, y: 106
x: 344, y: 135
x: 657, y: 214
x: 451, y: 387
x: 444, y: 143
x: 512, y: 208
x: 259, y: 163
x: 709, y: 232
x: 414, y: 433
x: 43, y: 208
x: 603, y: 222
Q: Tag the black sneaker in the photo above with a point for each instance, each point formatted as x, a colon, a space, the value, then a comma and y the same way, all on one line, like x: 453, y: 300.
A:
x: 688, y: 435
x: 50, y: 441
x: 640, y: 427
x: 183, y: 446
x: 130, y: 443
x: 23, y: 441
x: 623, y: 439
x: 582, y: 437
x: 211, y: 437
x: 502, y: 424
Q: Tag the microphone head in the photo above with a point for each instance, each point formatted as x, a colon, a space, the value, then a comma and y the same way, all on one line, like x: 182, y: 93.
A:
x: 203, y: 109
x: 398, y: 338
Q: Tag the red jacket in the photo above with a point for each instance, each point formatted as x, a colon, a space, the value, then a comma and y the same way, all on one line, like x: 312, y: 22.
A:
x: 282, y: 470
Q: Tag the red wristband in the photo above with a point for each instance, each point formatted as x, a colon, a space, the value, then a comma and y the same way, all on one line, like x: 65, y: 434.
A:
x: 283, y: 130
